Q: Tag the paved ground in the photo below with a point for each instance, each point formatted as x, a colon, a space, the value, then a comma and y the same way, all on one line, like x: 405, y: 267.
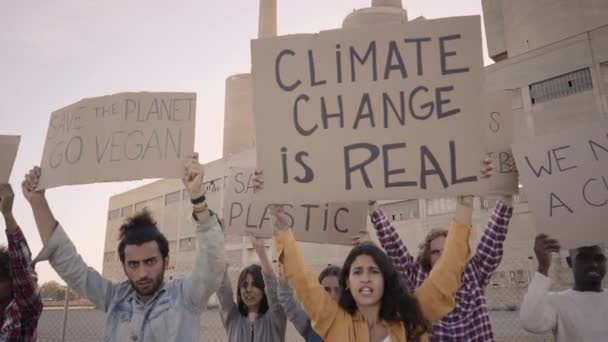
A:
x: 86, y: 325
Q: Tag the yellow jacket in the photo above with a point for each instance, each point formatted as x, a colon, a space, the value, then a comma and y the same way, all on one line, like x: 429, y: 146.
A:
x: 435, y: 295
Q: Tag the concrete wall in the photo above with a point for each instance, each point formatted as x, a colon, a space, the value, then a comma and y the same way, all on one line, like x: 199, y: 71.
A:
x: 531, y: 25
x: 587, y: 50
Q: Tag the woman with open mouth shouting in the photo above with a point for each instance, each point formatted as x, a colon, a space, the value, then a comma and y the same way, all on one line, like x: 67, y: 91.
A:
x: 257, y: 315
x: 373, y: 305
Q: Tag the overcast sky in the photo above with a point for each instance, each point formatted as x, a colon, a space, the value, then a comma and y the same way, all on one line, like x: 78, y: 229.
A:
x: 57, y: 52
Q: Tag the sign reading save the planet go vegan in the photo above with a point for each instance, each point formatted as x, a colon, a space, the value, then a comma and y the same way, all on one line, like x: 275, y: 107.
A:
x: 125, y: 136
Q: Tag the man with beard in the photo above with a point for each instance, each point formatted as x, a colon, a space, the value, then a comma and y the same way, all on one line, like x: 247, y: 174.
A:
x: 577, y: 314
x: 144, y: 308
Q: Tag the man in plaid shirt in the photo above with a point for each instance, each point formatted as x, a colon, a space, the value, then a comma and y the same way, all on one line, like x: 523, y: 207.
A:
x: 20, y: 303
x: 470, y: 320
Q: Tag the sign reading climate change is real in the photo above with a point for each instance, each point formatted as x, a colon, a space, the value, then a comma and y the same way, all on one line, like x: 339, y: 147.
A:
x: 380, y: 112
x: 124, y: 136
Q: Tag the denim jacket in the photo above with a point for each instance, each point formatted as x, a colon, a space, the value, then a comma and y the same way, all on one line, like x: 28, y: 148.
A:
x: 173, y: 314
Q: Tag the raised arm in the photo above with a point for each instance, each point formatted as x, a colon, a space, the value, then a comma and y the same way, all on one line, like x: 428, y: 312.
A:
x: 293, y: 310
x: 226, y: 299
x: 536, y: 313
x: 61, y: 252
x: 24, y: 279
x: 321, y: 309
x: 317, y: 303
x: 270, y: 278
x: 488, y: 254
x: 206, y: 274
x: 436, y: 294
x: 390, y: 240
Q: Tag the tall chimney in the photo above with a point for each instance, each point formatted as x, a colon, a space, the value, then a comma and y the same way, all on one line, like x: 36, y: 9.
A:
x: 267, y: 25
x: 387, y: 3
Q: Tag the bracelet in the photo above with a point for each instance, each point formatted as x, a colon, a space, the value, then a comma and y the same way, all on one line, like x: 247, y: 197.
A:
x: 200, y: 209
x: 198, y: 200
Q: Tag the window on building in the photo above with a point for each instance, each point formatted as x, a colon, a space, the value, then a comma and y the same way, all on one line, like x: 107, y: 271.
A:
x: 401, y: 211
x: 213, y: 185
x: 172, y: 246
x: 126, y: 211
x: 561, y: 86
x: 438, y: 206
x: 172, y: 197
x: 488, y: 202
x: 522, y: 277
x: 522, y: 196
x: 113, y: 214
x: 187, y: 244
x: 140, y: 206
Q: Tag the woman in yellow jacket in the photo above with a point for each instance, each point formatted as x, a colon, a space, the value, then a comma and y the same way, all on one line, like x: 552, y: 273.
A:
x: 373, y: 305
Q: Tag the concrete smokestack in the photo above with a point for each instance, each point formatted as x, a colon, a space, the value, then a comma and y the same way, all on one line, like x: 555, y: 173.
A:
x: 381, y: 12
x: 387, y: 3
x: 267, y: 24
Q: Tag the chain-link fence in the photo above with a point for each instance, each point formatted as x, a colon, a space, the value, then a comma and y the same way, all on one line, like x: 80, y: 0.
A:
x: 86, y: 324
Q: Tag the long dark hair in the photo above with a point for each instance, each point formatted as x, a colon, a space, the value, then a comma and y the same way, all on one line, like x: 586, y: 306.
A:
x: 258, y: 281
x: 397, y: 304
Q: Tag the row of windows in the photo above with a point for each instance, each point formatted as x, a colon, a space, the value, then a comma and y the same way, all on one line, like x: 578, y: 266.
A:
x: 410, y: 209
x: 170, y: 198
x: 561, y: 86
x: 510, y: 278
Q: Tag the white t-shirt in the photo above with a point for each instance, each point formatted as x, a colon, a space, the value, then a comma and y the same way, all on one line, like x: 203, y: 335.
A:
x: 570, y: 315
x: 252, y: 316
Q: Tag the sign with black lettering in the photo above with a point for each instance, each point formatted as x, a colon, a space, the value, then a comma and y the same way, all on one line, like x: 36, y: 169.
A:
x: 125, y: 136
x: 566, y: 178
x: 9, y: 144
x: 497, y: 123
x: 244, y: 212
x: 380, y: 112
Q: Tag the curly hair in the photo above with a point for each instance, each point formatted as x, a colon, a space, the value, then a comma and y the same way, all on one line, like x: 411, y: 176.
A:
x: 138, y: 230
x: 424, y: 249
x: 397, y: 304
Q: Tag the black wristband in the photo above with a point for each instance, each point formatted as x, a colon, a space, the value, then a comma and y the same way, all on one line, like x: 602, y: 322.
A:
x: 199, y: 200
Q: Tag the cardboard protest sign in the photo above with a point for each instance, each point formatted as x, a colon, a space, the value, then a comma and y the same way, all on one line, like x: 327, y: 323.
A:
x: 119, y: 137
x: 566, y: 178
x: 379, y: 112
x: 497, y: 125
x: 245, y: 212
x: 9, y: 144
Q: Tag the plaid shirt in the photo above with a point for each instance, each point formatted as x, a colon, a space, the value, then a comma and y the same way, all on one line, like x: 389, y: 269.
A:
x: 20, y: 317
x: 470, y: 320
